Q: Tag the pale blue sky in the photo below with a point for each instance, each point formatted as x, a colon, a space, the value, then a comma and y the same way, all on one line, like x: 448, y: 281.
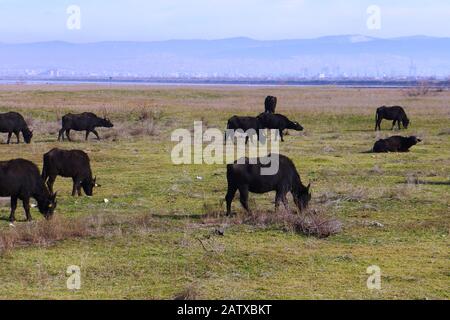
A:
x: 144, y: 20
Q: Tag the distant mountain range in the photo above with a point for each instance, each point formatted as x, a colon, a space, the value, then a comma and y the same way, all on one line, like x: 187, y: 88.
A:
x: 327, y: 57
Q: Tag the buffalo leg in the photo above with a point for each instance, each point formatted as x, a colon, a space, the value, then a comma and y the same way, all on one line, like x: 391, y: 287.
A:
x: 50, y: 182
x: 17, y: 136
x: 12, y: 218
x: 278, y: 198
x: 281, y: 135
x: 96, y: 134
x: 87, y: 134
x: 398, y: 124
x: 9, y: 137
x: 229, y: 198
x: 378, y: 124
x: 74, y: 187
x: 286, y: 203
x: 26, y: 207
x: 243, y: 197
x: 393, y: 124
x: 68, y: 134
x: 61, y: 134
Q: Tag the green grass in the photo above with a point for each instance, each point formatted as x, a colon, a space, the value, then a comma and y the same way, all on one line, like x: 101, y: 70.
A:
x: 138, y: 177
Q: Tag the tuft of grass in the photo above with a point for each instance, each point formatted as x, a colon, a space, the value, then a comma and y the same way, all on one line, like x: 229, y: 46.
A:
x: 311, y: 222
x: 189, y: 293
x: 49, y: 232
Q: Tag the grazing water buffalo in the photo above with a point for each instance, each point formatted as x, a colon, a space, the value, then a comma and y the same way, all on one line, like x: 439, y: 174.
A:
x: 86, y: 121
x: 20, y: 179
x: 395, y: 113
x: 244, y: 124
x: 13, y: 122
x: 270, y: 104
x: 248, y: 178
x: 395, y: 144
x: 69, y: 163
x: 279, y: 122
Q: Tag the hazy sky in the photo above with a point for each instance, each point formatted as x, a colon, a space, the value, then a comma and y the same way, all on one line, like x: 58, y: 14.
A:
x: 142, y: 20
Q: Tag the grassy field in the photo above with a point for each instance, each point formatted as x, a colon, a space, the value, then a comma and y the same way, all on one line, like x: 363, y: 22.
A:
x: 155, y: 237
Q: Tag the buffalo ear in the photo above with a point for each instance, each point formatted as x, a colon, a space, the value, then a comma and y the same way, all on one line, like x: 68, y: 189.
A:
x: 53, y: 196
x: 419, y: 140
x: 309, y: 186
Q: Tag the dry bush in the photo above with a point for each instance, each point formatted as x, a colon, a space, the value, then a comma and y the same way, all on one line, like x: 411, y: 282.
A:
x: 444, y: 132
x: 312, y: 222
x: 399, y: 192
x: 44, y: 233
x: 351, y: 194
x: 40, y: 126
x: 421, y: 90
x: 376, y: 170
x: 190, y: 293
x: 128, y: 129
x: 148, y: 113
x: 412, y: 178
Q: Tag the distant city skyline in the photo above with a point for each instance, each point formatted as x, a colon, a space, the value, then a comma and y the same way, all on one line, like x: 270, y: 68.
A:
x: 237, y: 58
x: 24, y: 21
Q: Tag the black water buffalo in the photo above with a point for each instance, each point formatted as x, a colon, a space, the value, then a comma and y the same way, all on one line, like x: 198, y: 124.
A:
x: 395, y: 144
x: 86, y: 121
x: 13, y: 122
x: 20, y: 179
x: 395, y: 113
x: 277, y: 121
x: 270, y: 104
x: 69, y: 163
x: 247, y: 177
x: 244, y: 124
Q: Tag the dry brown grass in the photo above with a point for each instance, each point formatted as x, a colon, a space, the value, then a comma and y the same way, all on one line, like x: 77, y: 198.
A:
x: 190, y: 293
x: 45, y: 233
x: 312, y: 222
x: 40, y: 126
x: 330, y: 100
x: 444, y: 132
x: 126, y: 130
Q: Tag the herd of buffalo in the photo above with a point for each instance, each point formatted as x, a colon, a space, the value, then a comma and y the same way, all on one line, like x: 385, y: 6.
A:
x: 20, y: 179
x: 246, y: 176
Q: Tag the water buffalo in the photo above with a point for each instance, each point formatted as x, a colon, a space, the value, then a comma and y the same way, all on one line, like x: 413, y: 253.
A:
x: 270, y: 104
x: 244, y: 124
x: 13, y: 122
x: 86, y: 121
x: 20, y: 179
x: 247, y: 177
x: 278, y: 122
x: 395, y: 144
x: 69, y: 163
x: 395, y: 113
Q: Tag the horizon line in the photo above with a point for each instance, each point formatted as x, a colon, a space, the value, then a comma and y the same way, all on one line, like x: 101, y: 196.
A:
x: 230, y: 38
